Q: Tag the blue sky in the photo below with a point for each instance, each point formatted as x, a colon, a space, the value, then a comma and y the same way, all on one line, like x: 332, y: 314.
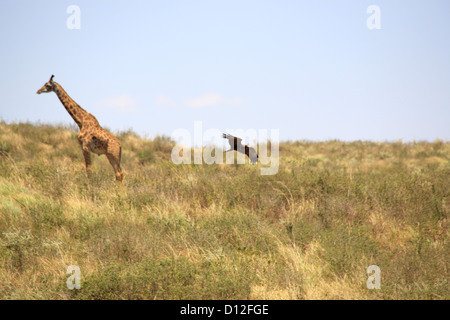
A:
x: 311, y: 69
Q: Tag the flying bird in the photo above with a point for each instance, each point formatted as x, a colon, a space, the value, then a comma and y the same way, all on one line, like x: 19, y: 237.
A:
x: 235, y: 144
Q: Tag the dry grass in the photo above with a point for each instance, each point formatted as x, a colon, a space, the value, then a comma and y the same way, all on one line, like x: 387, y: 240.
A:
x: 222, y: 231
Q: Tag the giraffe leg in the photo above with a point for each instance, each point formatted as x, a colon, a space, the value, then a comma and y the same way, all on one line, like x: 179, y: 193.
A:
x: 86, y: 154
x: 86, y: 141
x: 114, y: 160
x: 88, y: 161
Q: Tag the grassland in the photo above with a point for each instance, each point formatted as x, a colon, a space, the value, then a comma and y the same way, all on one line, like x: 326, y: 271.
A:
x: 222, y: 231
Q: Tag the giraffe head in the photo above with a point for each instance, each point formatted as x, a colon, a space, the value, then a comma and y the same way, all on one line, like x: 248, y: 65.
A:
x: 48, y: 87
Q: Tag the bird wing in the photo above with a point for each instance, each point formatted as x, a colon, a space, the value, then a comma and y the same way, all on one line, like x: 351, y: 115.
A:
x: 232, y: 140
x: 253, y: 155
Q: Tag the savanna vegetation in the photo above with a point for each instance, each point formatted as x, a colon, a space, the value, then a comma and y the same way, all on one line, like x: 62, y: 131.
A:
x: 222, y: 231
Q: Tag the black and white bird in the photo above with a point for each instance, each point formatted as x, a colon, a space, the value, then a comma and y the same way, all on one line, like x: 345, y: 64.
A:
x: 236, y: 144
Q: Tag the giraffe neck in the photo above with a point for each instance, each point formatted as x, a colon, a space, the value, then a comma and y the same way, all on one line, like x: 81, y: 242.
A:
x: 75, y: 111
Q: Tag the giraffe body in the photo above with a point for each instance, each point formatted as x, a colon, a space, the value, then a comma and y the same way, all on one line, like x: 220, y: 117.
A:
x: 92, y: 137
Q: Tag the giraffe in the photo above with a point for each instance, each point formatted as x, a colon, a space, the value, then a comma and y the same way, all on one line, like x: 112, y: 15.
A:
x: 92, y: 138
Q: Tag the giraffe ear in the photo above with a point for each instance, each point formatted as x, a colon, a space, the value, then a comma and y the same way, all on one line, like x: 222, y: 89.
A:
x: 51, y: 78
